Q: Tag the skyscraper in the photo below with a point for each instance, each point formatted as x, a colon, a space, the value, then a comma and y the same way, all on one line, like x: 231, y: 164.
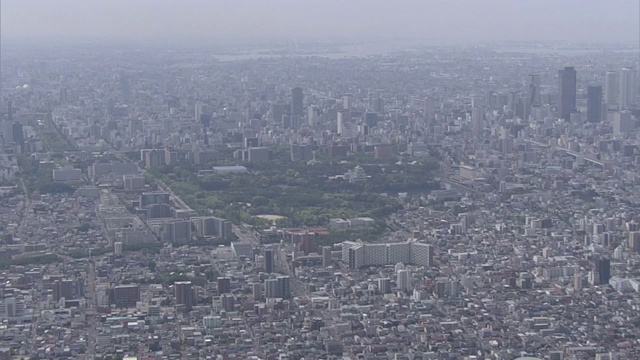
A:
x: 280, y: 287
x: 477, y: 121
x: 297, y: 106
x: 183, y: 294
x: 534, y: 90
x: 268, y: 260
x: 404, y: 280
x: 601, y: 270
x: 284, y: 287
x: 567, y: 85
x: 224, y: 285
x: 326, y: 256
x: 429, y: 108
x: 343, y: 118
x: 594, y: 103
x: 627, y: 93
x: 611, y: 88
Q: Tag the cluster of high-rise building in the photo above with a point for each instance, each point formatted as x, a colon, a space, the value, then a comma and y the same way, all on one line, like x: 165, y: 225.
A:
x: 529, y: 247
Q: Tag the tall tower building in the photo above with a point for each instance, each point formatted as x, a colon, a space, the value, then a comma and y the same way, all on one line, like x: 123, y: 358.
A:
x: 534, y: 90
x: 430, y: 108
x: 183, y: 294
x: 601, y: 271
x: 343, y: 118
x: 404, y: 280
x: 611, y: 88
x: 567, y: 86
x: 477, y: 121
x: 627, y: 92
x: 297, y: 106
x: 594, y: 103
x: 284, y: 287
x: 268, y: 260
x: 326, y: 256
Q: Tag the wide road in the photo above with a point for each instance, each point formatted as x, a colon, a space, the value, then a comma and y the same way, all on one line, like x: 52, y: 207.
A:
x: 173, y: 197
x: 91, y: 313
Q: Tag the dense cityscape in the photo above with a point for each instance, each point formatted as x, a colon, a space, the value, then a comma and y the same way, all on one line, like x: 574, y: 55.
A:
x: 320, y: 201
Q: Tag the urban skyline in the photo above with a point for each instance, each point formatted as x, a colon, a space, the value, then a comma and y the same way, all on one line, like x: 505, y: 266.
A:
x: 225, y: 181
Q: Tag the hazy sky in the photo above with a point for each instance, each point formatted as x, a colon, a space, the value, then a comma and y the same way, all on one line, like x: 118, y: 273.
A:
x: 441, y: 20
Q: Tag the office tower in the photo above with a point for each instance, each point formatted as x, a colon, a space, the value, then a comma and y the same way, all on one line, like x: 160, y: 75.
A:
x: 10, y: 111
x: 356, y: 257
x: 627, y: 93
x: 634, y: 241
x: 611, y: 88
x: 278, y: 110
x: 297, y: 97
x: 258, y: 154
x: 63, y: 289
x: 199, y: 111
x: 125, y: 295
x: 377, y: 105
x: 534, y: 90
x: 430, y: 108
x: 601, y: 271
x: 224, y: 285
x: 268, y: 261
x: 176, y: 231
x: 371, y: 119
x: 228, y: 302
x: 117, y: 248
x: 312, y: 115
x: 153, y: 158
x: 594, y: 103
x: 577, y: 281
x: 403, y: 280
x: 284, y: 287
x: 256, y: 291
x: 306, y: 242
x: 280, y: 287
x: 622, y: 123
x: 271, y: 288
x: 384, y: 285
x: 183, y: 294
x: 125, y: 88
x: 567, y: 85
x: 347, y: 102
x: 343, y: 118
x: 326, y: 256
x: 477, y: 121
x: 301, y: 152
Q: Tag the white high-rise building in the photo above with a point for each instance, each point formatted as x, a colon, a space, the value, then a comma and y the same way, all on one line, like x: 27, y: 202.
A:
x: 611, y: 88
x: 430, y: 108
x: 627, y: 92
x: 534, y: 90
x: 404, y: 280
x: 477, y: 121
x: 622, y: 123
x: 117, y: 248
x: 312, y: 115
x: 399, y: 253
x: 343, y: 118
